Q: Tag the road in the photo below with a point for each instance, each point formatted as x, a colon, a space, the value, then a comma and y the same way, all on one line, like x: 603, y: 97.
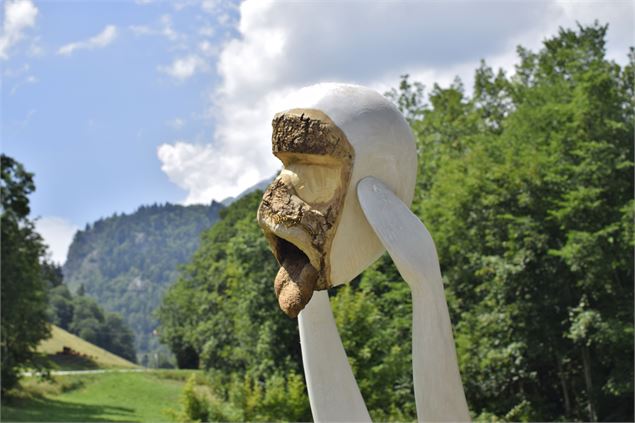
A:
x: 87, y: 372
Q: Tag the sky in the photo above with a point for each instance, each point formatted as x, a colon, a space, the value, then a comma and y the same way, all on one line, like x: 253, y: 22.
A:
x: 116, y: 104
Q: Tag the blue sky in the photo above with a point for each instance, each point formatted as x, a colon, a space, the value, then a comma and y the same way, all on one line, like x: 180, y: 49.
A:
x: 114, y: 104
x: 89, y: 122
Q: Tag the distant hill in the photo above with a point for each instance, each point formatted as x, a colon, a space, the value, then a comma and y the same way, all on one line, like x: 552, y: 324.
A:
x: 259, y: 186
x: 79, y: 354
x: 127, y: 261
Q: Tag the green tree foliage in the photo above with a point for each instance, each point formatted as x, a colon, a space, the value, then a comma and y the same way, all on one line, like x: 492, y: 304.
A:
x: 194, y: 406
x: 527, y: 188
x: 23, y: 322
x: 60, y: 300
x: 126, y: 262
x: 61, y: 308
x: 409, y: 98
x: 82, y: 316
x: 223, y: 315
x: 373, y: 315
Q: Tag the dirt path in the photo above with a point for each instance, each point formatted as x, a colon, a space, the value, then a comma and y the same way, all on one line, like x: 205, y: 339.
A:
x: 87, y: 372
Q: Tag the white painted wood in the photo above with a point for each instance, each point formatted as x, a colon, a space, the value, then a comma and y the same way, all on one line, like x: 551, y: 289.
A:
x: 384, y: 148
x: 384, y: 151
x: 333, y: 391
x: 438, y: 389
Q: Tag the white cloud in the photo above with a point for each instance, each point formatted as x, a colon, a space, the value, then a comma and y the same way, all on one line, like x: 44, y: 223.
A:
x: 141, y: 30
x: 16, y: 72
x: 206, y: 31
x: 620, y: 15
x: 19, y: 15
x: 27, y: 119
x: 211, y: 6
x: 35, y: 48
x: 185, y: 67
x: 189, y: 165
x: 104, y: 38
x: 166, y: 28
x: 58, y: 234
x: 208, y: 49
x: 282, y: 46
x: 163, y: 28
x: 30, y: 79
x: 176, y: 123
x: 224, y: 19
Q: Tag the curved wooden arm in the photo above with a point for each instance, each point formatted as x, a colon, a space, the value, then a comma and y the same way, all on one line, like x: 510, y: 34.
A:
x: 438, y: 389
x: 333, y: 390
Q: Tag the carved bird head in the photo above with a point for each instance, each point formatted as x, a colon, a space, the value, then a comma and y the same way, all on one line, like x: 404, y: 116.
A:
x: 335, y: 136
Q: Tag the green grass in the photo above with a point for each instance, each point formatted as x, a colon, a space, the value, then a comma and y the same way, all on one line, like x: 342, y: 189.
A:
x: 131, y: 397
x: 112, y: 396
x: 92, y: 356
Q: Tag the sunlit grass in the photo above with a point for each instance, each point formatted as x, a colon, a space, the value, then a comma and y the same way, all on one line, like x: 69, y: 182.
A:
x: 133, y: 397
x: 92, y: 356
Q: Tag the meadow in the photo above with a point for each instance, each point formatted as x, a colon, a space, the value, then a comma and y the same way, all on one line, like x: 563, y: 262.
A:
x: 121, y: 395
x: 88, y: 356
x: 92, y: 385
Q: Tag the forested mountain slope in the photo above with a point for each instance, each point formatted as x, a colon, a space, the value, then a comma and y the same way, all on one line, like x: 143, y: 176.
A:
x: 82, y: 316
x: 127, y: 261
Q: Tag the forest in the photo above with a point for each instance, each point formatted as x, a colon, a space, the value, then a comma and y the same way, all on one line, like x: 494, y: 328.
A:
x: 126, y: 262
x: 526, y: 185
x: 82, y: 316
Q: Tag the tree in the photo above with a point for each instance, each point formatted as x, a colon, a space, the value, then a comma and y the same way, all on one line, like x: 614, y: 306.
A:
x: 60, y: 301
x: 222, y: 315
x: 530, y: 203
x: 61, y: 309
x: 127, y: 261
x: 121, y: 339
x: 374, y: 317
x: 105, y: 329
x: 409, y: 98
x: 526, y: 187
x: 24, y: 301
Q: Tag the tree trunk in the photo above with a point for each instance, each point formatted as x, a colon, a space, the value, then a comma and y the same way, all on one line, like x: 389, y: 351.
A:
x: 586, y: 361
x: 565, y: 391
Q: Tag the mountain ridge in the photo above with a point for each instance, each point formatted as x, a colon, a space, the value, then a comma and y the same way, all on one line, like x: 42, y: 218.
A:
x: 126, y: 261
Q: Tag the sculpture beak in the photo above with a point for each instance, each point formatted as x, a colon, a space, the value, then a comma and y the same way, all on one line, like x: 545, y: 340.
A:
x: 282, y: 216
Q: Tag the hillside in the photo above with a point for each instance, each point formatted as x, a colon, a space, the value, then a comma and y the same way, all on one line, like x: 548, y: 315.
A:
x: 260, y: 186
x: 84, y: 353
x: 127, y: 261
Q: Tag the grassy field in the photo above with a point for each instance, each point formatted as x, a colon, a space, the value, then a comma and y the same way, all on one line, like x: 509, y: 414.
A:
x: 124, y: 392
x: 91, y: 355
x: 114, y: 397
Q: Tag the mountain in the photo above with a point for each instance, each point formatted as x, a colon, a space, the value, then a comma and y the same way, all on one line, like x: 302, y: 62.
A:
x: 259, y: 186
x: 127, y: 261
